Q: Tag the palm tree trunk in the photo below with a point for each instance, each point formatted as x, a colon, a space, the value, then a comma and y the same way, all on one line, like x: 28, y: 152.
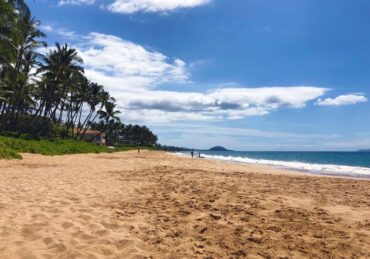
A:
x: 84, y: 125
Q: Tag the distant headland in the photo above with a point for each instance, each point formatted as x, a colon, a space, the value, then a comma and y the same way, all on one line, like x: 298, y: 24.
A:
x: 218, y: 148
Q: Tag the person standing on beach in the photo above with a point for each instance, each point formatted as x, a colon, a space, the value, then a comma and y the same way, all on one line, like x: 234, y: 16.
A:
x: 192, y: 154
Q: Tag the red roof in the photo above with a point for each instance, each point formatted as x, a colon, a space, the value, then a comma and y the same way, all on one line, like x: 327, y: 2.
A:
x: 88, y: 131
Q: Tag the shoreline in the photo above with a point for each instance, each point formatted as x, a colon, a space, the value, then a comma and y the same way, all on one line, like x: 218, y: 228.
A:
x: 287, y: 168
x: 160, y: 205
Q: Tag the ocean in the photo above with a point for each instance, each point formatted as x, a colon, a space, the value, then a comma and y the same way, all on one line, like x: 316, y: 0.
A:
x: 352, y: 164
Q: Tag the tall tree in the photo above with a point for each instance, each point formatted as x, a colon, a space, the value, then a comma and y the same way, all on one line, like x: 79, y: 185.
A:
x: 59, y: 67
x: 39, y: 92
x: 109, y: 112
x: 19, y: 39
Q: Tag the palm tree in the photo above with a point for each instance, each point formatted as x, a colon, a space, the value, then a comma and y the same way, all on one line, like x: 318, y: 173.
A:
x: 95, y: 94
x: 79, y: 94
x: 20, y: 5
x: 104, y: 97
x: 27, y: 40
x: 60, y: 66
x: 19, y: 38
x: 11, y: 13
x: 109, y: 112
x: 7, y: 49
x: 117, y: 133
x: 7, y: 20
x: 58, y: 92
x: 3, y: 96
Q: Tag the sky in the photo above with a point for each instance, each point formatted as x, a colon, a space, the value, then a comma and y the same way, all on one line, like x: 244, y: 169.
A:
x: 244, y: 74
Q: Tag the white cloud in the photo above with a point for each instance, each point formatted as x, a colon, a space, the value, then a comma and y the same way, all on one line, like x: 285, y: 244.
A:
x: 133, y: 74
x: 47, y: 28
x: 76, y: 2
x: 123, y: 64
x: 217, y: 104
x: 146, y: 6
x: 61, y: 31
x: 133, y: 6
x: 342, y: 100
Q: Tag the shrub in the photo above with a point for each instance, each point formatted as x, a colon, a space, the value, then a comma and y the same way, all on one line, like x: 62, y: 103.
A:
x: 10, y: 147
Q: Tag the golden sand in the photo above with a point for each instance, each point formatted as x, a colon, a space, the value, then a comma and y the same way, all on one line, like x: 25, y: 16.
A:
x: 162, y: 206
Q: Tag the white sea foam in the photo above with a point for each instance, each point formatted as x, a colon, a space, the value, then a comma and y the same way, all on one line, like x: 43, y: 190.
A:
x: 314, y: 168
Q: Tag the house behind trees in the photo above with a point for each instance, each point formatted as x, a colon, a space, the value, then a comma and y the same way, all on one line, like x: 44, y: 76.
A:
x: 93, y: 136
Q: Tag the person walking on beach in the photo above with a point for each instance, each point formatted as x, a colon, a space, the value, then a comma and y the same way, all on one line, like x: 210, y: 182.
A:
x: 192, y: 154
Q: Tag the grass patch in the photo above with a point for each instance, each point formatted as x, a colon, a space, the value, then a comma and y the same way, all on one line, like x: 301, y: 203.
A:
x: 10, y: 147
x: 6, y: 153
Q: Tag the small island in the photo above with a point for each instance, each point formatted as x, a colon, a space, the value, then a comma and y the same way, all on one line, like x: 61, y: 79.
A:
x: 218, y: 148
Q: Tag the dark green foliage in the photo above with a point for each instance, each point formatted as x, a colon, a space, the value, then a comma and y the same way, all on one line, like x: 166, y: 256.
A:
x: 8, y: 153
x: 118, y: 133
x: 56, y: 94
x: 11, y: 147
x: 33, y: 126
x: 51, y: 103
x: 171, y: 148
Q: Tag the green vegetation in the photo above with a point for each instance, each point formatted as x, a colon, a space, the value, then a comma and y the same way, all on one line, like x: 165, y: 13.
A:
x: 44, y: 89
x: 11, y: 147
x: 49, y: 97
x: 117, y: 133
x: 8, y: 153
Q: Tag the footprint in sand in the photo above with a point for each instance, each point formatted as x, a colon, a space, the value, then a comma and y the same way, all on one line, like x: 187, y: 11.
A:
x: 4, y: 232
x: 74, y: 199
x: 96, y: 205
x: 82, y: 235
x: 37, y: 216
x: 57, y: 247
x: 67, y: 225
x: 25, y: 253
x: 47, y: 240
x: 85, y: 210
x: 64, y: 203
x: 29, y: 233
x: 109, y: 225
x: 102, y: 232
x: 85, y: 217
x: 124, y: 244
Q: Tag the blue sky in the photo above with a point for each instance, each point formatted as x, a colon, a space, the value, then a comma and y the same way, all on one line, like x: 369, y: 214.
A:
x: 246, y: 74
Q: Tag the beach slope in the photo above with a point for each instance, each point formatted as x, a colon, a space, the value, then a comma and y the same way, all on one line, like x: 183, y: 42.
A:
x: 163, y: 206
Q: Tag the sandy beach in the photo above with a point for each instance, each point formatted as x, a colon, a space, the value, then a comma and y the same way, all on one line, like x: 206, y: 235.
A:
x: 160, y: 205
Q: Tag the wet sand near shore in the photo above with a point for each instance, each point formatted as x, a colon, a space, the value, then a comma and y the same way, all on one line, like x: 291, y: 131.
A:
x: 159, y: 205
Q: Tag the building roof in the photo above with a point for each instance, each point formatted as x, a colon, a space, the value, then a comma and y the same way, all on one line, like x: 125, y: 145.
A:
x: 89, y: 131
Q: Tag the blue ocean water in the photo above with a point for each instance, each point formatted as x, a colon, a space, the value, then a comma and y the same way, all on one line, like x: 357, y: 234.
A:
x: 339, y: 163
